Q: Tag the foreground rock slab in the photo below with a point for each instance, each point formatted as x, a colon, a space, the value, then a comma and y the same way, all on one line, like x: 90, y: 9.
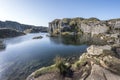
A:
x: 100, y: 73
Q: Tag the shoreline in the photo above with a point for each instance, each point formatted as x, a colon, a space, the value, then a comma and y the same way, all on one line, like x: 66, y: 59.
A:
x: 92, y: 62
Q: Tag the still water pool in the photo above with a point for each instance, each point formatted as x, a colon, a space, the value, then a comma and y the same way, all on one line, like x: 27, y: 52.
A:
x: 23, y: 55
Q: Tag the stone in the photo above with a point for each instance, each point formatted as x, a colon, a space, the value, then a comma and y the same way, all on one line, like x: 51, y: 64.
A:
x: 94, y: 28
x: 38, y: 37
x: 97, y: 50
x: 99, y: 73
x: 118, y: 51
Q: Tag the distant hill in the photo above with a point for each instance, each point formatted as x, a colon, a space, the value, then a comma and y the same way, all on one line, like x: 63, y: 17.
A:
x: 22, y: 27
x: 7, y: 33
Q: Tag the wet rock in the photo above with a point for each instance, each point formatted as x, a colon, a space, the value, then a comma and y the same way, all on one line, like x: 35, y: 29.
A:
x: 38, y: 37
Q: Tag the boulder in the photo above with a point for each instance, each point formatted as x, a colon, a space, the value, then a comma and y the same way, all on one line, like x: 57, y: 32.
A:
x: 97, y: 50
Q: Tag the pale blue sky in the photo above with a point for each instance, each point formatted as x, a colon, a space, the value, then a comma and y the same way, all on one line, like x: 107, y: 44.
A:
x: 40, y: 12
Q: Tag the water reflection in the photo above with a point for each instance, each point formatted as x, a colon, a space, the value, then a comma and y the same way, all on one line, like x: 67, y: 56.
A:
x: 2, y: 45
x: 78, y: 40
x: 23, y: 55
x: 20, y: 39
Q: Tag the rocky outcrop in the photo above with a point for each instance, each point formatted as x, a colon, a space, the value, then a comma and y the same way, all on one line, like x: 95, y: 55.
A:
x: 103, y: 66
x: 22, y: 27
x: 97, y: 50
x: 94, y: 28
x: 36, y: 30
x: 6, y: 33
x: 98, y: 63
x: 100, y: 73
x: 114, y: 25
x: 91, y: 25
x: 38, y: 37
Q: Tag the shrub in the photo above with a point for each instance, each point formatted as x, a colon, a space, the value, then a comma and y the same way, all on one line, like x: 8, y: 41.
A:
x: 60, y: 64
x: 66, y: 20
x: 63, y: 67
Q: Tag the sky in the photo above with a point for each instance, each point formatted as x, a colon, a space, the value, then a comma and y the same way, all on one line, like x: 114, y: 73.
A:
x: 41, y: 12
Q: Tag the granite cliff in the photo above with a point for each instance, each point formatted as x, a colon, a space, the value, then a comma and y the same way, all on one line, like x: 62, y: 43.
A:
x: 90, y: 25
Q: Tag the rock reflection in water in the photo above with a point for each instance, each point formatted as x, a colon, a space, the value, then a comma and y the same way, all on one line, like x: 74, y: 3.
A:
x: 23, y: 55
x: 78, y: 40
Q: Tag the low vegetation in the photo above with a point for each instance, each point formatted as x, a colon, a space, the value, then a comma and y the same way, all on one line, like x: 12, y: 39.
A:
x: 44, y: 70
x: 60, y: 66
x: 80, y: 62
x: 64, y: 68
